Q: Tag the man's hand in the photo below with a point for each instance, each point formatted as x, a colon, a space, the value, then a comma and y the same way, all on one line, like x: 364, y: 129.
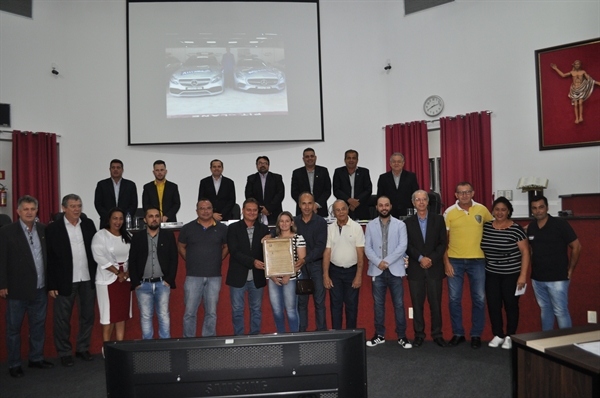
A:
x: 353, y: 203
x: 53, y: 293
x: 327, y: 282
x: 383, y: 265
x: 259, y: 264
x: 3, y: 293
x: 357, y: 282
x: 449, y: 269
x: 425, y: 262
x: 217, y: 216
x: 265, y: 211
x: 164, y: 219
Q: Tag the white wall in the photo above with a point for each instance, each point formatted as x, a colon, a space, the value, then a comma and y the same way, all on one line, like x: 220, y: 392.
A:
x: 476, y: 55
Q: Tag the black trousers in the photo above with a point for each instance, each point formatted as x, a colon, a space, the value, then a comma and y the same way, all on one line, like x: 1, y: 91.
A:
x: 432, y: 289
x: 85, y: 296
x: 500, y: 291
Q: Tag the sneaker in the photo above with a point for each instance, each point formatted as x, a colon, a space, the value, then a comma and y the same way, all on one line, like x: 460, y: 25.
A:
x: 496, y: 342
x: 376, y: 340
x: 404, y: 343
x: 507, y: 345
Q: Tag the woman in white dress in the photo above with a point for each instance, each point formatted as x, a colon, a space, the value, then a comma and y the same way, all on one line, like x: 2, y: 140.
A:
x: 110, y: 247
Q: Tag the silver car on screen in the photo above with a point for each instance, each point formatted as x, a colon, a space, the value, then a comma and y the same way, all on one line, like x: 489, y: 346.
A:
x: 253, y: 74
x: 199, y: 75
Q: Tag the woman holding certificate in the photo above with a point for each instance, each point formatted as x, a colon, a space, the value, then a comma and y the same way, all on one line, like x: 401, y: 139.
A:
x: 282, y: 289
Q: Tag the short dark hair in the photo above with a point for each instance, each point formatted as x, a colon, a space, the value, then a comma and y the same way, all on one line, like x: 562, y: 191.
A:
x: 117, y: 161
x: 506, y: 202
x: 350, y: 151
x: 463, y: 183
x: 27, y: 199
x: 305, y: 193
x: 263, y: 157
x: 159, y: 162
x: 216, y: 160
x: 71, y: 196
x: 203, y: 200
x: 151, y: 208
x: 537, y: 198
x: 308, y: 150
x: 250, y: 200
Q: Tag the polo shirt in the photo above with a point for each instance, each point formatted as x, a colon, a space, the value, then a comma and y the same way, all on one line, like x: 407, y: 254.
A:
x: 343, y: 243
x: 204, y: 248
x: 466, y: 229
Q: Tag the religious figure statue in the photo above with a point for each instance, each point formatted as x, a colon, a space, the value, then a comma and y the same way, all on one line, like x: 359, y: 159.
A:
x: 581, y: 88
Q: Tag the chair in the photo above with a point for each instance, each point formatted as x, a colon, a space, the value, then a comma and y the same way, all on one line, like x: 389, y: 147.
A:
x: 236, y: 212
x: 435, y: 202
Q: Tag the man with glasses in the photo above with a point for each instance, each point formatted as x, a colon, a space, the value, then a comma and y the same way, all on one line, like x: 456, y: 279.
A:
x: 398, y: 185
x: 464, y: 226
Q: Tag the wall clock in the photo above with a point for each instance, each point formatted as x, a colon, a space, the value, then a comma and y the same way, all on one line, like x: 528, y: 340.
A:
x: 433, y: 105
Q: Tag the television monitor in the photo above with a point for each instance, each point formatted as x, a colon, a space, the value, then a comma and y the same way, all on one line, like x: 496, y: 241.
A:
x: 326, y: 364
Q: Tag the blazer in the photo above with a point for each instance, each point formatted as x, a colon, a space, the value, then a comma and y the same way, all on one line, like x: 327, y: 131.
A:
x: 321, y: 187
x: 401, y: 197
x: 171, y: 202
x: 434, y: 247
x: 223, y: 201
x: 166, y: 250
x: 274, y: 193
x: 242, y: 254
x: 104, y: 198
x: 60, y: 258
x: 17, y: 268
x: 362, y: 190
x: 397, y: 239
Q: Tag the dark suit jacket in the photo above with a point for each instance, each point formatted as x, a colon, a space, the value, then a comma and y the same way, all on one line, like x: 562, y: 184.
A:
x: 17, y: 268
x: 222, y: 202
x: 434, y: 247
x: 171, y: 202
x: 60, y: 258
x: 321, y: 188
x: 274, y: 193
x: 399, y: 197
x: 362, y: 190
x: 166, y: 250
x: 104, y: 198
x: 242, y: 254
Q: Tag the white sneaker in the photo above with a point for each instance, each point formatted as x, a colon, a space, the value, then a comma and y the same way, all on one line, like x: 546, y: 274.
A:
x: 507, y: 343
x: 496, y: 342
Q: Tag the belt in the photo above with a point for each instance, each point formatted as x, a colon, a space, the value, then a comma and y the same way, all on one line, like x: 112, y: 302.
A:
x: 339, y: 266
x: 152, y: 280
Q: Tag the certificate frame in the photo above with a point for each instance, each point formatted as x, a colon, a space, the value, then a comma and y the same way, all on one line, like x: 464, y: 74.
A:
x: 279, y: 257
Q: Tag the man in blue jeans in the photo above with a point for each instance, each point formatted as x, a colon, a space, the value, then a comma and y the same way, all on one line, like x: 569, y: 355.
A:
x: 153, y: 269
x: 464, y: 226
x: 551, y: 268
x: 385, y: 247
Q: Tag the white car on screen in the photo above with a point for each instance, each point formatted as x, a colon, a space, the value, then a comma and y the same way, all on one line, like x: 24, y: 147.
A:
x: 199, y: 75
x: 253, y: 74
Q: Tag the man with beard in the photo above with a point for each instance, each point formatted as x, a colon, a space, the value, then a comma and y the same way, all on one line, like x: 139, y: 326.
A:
x: 385, y: 247
x: 161, y: 194
x: 152, y: 269
x: 267, y: 188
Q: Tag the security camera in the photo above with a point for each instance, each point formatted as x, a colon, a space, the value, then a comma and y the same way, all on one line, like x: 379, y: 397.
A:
x: 54, y: 72
x: 388, y: 67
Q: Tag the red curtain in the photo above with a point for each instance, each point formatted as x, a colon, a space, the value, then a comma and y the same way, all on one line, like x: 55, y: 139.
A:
x: 35, y: 171
x: 466, y: 147
x: 410, y: 139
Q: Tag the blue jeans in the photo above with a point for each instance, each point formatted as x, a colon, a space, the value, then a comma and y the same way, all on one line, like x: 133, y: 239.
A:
x: 237, y: 295
x: 316, y: 274
x: 380, y: 285
x: 553, y: 299
x: 151, y: 295
x: 195, y: 289
x: 475, y: 269
x: 36, y: 317
x: 284, y: 298
x: 343, y: 294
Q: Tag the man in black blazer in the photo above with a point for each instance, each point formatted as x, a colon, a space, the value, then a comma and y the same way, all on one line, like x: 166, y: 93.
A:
x: 105, y: 197
x: 270, y: 197
x: 246, y: 267
x: 425, y: 271
x: 166, y: 199
x: 398, y: 185
x: 223, y: 200
x: 72, y: 275
x: 352, y: 184
x: 23, y: 285
x: 153, y: 273
x: 314, y: 179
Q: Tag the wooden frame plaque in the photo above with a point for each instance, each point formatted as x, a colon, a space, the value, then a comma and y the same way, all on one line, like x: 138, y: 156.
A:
x: 279, y: 257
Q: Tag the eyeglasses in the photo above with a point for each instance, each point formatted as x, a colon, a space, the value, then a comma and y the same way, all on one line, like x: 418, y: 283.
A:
x: 462, y: 193
x: 421, y: 200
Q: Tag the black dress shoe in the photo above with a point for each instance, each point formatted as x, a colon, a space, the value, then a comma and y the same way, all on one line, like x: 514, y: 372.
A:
x: 418, y: 342
x: 85, y: 355
x: 41, y: 364
x: 16, y: 372
x: 440, y: 341
x: 475, y: 342
x: 456, y: 340
x: 67, y: 361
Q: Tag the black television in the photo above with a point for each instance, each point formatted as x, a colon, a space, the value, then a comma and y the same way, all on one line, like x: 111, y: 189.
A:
x: 326, y: 364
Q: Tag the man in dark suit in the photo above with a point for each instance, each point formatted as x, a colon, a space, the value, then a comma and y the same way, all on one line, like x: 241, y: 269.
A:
x: 220, y: 190
x: 352, y: 184
x: 426, y: 248
x: 161, y: 194
x: 267, y: 188
x: 398, y: 185
x: 246, y: 267
x: 115, y: 192
x: 71, y: 276
x: 314, y: 179
x: 153, y: 273
x: 23, y: 285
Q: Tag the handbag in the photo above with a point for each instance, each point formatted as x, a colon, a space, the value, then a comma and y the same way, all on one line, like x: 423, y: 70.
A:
x: 305, y: 286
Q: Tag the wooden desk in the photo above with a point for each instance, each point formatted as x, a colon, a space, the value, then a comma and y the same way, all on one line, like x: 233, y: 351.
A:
x: 547, y: 364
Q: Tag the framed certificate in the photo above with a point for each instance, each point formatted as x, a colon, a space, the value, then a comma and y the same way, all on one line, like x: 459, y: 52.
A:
x: 279, y: 257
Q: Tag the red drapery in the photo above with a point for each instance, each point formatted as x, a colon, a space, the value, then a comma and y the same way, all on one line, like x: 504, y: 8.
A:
x: 35, y: 171
x: 410, y: 139
x: 466, y: 148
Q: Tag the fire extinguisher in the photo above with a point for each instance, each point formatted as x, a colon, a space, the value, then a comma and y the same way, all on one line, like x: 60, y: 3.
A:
x: 3, y: 195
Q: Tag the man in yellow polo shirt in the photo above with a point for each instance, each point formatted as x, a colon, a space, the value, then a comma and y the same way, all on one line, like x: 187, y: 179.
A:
x: 161, y: 194
x: 464, y: 226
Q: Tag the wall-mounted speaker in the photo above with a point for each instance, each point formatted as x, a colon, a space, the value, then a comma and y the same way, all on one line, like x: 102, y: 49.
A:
x: 4, y: 115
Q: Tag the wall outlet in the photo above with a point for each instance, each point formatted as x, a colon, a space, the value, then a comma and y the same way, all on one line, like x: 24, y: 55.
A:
x: 508, y: 194
x: 592, y: 317
x: 499, y: 194
x: 410, y: 313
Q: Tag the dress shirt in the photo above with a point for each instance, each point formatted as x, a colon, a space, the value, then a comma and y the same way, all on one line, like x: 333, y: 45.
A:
x: 81, y: 273
x: 36, y: 252
x: 152, y: 268
x: 117, y: 186
x: 250, y: 231
x: 217, y: 184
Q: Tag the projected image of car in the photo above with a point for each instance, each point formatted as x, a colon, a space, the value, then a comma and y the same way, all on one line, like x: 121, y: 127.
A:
x: 253, y: 74
x: 199, y: 75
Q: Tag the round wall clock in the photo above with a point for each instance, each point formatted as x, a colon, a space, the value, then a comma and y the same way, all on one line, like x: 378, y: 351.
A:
x: 433, y: 106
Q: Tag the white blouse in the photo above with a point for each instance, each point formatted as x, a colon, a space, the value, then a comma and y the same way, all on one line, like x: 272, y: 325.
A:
x: 108, y: 250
